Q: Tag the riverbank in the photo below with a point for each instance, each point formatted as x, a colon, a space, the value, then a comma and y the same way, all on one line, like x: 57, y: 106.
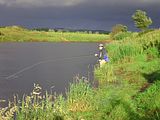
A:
x: 129, y: 87
x: 18, y: 34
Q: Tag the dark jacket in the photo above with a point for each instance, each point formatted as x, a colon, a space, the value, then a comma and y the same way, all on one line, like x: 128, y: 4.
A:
x: 102, y: 53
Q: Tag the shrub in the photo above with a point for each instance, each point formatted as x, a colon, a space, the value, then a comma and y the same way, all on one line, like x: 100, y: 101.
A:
x: 122, y: 35
x: 117, y: 29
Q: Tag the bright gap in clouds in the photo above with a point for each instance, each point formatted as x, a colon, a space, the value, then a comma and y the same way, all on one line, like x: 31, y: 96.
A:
x: 67, y: 3
x: 39, y: 3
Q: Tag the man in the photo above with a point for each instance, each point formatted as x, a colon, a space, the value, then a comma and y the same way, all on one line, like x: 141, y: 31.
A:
x: 102, y: 55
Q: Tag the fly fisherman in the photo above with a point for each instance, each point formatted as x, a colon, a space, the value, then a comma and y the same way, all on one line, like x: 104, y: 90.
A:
x: 102, y: 55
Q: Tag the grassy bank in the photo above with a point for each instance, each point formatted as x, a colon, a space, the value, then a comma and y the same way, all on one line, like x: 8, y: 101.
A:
x: 129, y: 88
x: 134, y: 72
x: 18, y: 34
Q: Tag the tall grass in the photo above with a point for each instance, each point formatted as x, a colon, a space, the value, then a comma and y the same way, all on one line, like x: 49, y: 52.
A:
x: 37, y: 107
x: 105, y: 75
x: 118, y: 51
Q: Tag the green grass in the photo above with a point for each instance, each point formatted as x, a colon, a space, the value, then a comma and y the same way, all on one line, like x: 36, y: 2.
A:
x: 135, y: 63
x: 147, y: 102
x: 128, y: 88
x: 18, y: 34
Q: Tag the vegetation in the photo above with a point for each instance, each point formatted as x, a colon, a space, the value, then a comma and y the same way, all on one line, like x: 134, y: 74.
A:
x: 19, y: 34
x: 122, y: 35
x: 141, y: 20
x: 135, y: 64
x: 128, y: 88
x: 118, y: 28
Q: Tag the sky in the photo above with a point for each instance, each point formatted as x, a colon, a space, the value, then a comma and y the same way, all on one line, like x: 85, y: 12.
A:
x: 76, y: 14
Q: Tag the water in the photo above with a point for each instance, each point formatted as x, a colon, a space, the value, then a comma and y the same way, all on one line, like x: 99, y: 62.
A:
x: 48, y: 64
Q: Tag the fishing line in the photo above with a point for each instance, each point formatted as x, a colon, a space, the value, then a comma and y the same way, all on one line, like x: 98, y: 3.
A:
x: 42, y: 62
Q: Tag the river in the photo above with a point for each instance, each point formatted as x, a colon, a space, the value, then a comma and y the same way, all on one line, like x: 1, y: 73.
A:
x: 52, y: 65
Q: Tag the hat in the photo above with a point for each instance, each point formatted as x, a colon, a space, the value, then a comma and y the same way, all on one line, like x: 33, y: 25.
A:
x: 100, y: 45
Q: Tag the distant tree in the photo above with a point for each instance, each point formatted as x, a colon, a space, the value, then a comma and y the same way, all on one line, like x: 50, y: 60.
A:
x: 41, y: 29
x: 60, y: 30
x: 51, y: 30
x: 141, y: 20
x: 117, y: 29
x: 90, y: 32
x: 96, y: 32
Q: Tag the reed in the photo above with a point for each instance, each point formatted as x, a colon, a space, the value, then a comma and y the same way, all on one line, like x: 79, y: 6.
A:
x: 105, y: 74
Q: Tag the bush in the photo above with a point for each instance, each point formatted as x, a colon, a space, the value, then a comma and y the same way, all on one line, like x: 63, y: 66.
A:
x: 117, y: 29
x: 122, y: 35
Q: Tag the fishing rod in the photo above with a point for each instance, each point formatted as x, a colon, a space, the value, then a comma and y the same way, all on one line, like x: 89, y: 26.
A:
x: 42, y: 62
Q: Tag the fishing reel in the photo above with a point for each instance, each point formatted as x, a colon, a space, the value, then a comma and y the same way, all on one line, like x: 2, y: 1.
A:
x: 96, y: 55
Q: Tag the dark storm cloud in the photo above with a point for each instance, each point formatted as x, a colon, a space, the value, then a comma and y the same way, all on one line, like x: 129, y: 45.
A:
x: 91, y: 14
